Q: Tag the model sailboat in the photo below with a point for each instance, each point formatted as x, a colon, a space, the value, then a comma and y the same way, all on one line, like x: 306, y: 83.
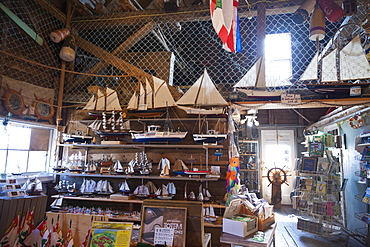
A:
x: 106, y: 101
x: 256, y: 83
x: 207, y: 135
x: 117, y: 168
x: 203, y: 98
x: 124, y: 187
x: 151, y: 101
x: 353, y: 64
x: 111, y: 127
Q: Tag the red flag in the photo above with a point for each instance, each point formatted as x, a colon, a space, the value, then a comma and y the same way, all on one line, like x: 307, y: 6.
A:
x: 10, y: 235
x: 86, y: 242
x: 26, y: 229
x: 69, y: 239
x: 38, y: 237
x: 55, y: 237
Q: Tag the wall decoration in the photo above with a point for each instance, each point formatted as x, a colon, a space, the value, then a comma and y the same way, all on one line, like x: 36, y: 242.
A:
x: 13, y: 101
x: 44, y: 110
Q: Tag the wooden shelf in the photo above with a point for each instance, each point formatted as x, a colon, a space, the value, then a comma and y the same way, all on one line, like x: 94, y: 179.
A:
x: 248, y: 170
x: 248, y: 154
x: 212, y: 225
x: 137, y: 177
x: 139, y: 146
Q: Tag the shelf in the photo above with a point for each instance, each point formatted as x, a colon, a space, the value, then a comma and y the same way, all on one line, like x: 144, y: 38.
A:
x: 212, y: 225
x: 140, y: 146
x: 124, y: 218
x: 248, y: 154
x: 248, y: 141
x: 136, y: 177
x: 248, y: 170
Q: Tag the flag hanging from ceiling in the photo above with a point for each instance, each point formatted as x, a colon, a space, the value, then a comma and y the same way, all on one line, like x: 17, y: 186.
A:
x: 225, y: 20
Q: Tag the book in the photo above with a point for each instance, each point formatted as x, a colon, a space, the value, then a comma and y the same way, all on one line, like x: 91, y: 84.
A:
x: 309, y: 182
x: 321, y: 187
x: 309, y: 164
x: 322, y: 165
x: 111, y: 233
x: 366, y: 197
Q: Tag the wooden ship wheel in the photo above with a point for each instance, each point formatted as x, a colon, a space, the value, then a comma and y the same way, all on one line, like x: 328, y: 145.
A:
x: 276, y: 176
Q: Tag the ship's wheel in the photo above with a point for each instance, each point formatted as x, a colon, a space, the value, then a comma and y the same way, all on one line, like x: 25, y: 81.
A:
x: 276, y: 176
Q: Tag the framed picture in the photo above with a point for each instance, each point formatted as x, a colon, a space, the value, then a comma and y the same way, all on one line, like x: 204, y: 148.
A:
x: 163, y: 217
x: 316, y: 149
x: 309, y: 164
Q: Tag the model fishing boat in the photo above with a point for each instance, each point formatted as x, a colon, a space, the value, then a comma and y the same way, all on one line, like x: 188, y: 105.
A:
x: 76, y: 138
x: 206, y: 135
x: 155, y: 134
x: 106, y: 101
x: 151, y: 101
x: 203, y: 98
x: 255, y: 83
x: 353, y: 64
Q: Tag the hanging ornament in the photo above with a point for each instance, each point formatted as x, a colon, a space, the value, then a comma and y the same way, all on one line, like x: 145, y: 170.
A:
x: 332, y: 11
x: 59, y: 35
x: 303, y: 12
x: 317, y: 25
x: 68, y: 53
x: 356, y: 122
x: 349, y: 7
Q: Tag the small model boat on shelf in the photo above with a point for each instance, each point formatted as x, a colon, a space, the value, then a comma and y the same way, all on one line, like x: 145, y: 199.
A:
x: 206, y: 135
x: 195, y: 171
x: 91, y: 168
x: 141, y: 191
x: 117, y: 168
x: 154, y: 134
x: 112, y: 127
x: 152, y: 189
x: 164, y: 167
x: 179, y: 167
x: 88, y: 187
x: 167, y: 192
x: 124, y: 188
x: 76, y: 138
x: 103, y: 187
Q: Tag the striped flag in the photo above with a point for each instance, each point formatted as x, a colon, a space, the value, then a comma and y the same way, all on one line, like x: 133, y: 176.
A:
x: 38, y: 237
x: 225, y: 20
x: 56, y: 237
x: 69, y: 242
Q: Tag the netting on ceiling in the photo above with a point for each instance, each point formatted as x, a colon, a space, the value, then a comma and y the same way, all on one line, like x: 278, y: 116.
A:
x: 133, y: 40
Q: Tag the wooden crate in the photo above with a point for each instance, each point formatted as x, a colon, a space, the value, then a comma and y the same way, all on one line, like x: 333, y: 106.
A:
x: 263, y: 224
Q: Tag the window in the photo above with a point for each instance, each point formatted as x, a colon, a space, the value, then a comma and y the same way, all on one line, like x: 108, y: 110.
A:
x: 278, y: 59
x: 24, y: 148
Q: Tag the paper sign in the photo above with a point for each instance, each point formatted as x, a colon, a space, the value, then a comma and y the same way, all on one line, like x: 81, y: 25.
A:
x: 291, y: 98
x: 163, y: 236
x: 355, y: 91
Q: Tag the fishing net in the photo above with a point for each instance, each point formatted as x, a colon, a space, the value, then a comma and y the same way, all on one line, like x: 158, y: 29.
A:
x: 120, y: 42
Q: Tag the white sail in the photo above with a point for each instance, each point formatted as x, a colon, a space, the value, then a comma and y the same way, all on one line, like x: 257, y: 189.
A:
x: 112, y: 102
x: 90, y: 104
x: 149, y: 94
x: 329, y: 67
x: 311, y: 71
x: 162, y: 95
x: 256, y: 77
x: 100, y: 101
x: 353, y: 62
x: 202, y: 93
x: 133, y: 103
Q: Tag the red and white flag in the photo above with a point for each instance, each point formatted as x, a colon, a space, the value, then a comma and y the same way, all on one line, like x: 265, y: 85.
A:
x: 11, y: 233
x: 25, y: 229
x: 225, y: 20
x: 56, y: 237
x: 86, y: 242
x: 69, y: 239
x: 38, y: 237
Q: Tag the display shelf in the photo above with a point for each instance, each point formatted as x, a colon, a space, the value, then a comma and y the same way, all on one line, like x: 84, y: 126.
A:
x: 137, y: 177
x: 139, y: 146
x: 360, y: 216
x: 249, y: 167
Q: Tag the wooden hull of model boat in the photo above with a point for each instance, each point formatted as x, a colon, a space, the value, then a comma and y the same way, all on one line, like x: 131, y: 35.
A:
x: 76, y: 138
x: 147, y: 113
x: 158, y: 137
x: 187, y: 172
x: 220, y: 112
x: 112, y: 133
x: 208, y: 138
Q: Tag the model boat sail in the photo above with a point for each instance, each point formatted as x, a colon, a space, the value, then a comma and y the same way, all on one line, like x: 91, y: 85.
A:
x: 207, y: 135
x: 256, y: 83
x: 179, y: 167
x: 106, y: 101
x: 167, y: 192
x: 117, y: 167
x: 353, y: 64
x: 124, y: 187
x: 203, y: 98
x: 151, y: 101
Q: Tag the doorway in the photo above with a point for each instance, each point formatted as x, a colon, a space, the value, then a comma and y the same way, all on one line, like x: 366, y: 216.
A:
x: 278, y: 150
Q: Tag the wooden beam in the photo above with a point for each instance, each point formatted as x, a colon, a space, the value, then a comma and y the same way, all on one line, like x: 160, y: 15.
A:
x: 198, y: 13
x: 124, y: 47
x: 110, y: 58
x: 29, y: 69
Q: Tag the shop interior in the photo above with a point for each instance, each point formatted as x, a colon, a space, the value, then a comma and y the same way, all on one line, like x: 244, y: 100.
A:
x: 185, y: 123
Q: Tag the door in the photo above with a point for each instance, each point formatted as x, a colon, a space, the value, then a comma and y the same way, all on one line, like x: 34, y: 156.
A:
x: 278, y: 150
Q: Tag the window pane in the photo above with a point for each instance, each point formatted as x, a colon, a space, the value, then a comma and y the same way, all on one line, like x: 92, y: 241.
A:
x: 17, y: 161
x: 2, y: 160
x: 4, y: 138
x: 19, y: 138
x: 278, y: 46
x: 36, y: 161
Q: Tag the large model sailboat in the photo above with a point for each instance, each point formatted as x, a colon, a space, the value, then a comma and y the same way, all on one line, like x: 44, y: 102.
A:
x: 151, y: 101
x: 353, y: 64
x: 203, y: 98
x: 255, y: 83
x: 111, y: 127
x: 106, y: 101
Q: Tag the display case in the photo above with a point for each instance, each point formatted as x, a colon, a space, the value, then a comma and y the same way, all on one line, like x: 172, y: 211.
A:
x: 249, y: 167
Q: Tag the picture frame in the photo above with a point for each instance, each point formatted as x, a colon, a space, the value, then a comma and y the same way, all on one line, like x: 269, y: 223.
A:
x: 316, y: 149
x: 163, y: 217
x: 309, y: 164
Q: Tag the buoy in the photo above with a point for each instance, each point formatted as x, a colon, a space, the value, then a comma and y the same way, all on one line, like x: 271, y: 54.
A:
x: 332, y: 11
x: 59, y: 35
x: 67, y: 53
x: 317, y: 24
x: 349, y: 7
x: 303, y: 12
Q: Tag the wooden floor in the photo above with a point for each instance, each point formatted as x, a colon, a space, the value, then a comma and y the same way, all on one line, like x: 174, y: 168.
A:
x: 287, y: 234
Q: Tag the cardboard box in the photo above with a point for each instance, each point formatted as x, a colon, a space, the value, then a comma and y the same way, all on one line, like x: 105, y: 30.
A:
x: 238, y: 224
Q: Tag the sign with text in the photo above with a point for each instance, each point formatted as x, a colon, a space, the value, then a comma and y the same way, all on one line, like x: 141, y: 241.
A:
x: 155, y: 218
x: 291, y: 98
